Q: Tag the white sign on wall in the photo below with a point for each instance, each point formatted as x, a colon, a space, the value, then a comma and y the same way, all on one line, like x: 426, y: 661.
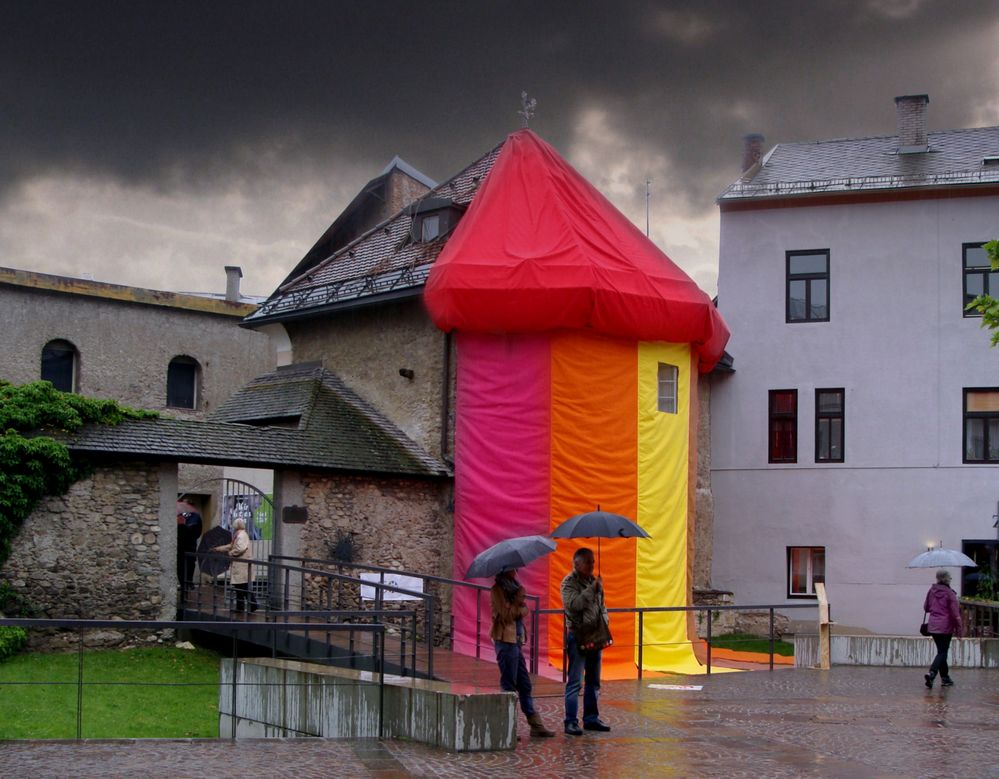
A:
x: 413, y: 583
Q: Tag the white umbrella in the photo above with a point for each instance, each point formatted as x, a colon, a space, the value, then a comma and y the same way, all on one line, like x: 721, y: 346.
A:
x: 941, y: 558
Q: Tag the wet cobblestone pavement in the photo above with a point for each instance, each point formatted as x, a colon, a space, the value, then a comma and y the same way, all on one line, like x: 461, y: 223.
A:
x: 848, y: 722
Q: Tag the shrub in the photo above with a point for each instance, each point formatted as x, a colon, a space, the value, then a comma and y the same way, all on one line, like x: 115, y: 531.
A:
x: 11, y: 641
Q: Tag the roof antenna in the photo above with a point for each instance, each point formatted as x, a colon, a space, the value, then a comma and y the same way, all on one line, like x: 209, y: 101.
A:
x: 648, y: 197
x: 526, y: 111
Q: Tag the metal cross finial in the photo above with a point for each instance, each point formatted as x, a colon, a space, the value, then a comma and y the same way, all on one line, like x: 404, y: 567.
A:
x: 526, y: 109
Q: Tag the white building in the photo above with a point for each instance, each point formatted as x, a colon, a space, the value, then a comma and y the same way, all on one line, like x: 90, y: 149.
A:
x: 861, y: 423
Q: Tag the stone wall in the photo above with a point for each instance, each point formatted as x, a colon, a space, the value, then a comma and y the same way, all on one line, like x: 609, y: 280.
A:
x: 368, y: 347
x: 98, y: 552
x: 404, y: 524
x: 704, y: 502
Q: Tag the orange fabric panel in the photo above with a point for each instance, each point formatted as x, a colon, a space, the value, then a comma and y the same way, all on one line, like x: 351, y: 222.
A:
x: 594, y: 461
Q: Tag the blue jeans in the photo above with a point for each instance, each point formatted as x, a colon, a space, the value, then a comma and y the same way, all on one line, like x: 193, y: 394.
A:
x: 581, y: 663
x: 513, y: 674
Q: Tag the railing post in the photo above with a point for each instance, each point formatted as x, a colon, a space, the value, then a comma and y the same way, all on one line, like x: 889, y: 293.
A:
x: 235, y: 652
x: 771, y: 638
x: 478, y: 623
x: 381, y: 688
x: 430, y: 636
x: 79, y: 688
x: 535, y: 638
x: 641, y: 639
x: 708, y: 640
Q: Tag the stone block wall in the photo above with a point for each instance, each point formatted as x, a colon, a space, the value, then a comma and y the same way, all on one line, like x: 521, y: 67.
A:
x: 404, y: 524
x: 98, y: 552
x: 367, y: 348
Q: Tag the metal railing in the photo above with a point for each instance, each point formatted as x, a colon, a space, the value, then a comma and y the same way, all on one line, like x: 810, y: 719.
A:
x: 642, y: 611
x: 483, y: 617
x: 297, y: 592
x: 235, y: 629
x: 980, y: 618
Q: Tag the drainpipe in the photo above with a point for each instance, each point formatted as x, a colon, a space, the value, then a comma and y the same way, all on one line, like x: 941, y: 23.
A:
x: 445, y: 395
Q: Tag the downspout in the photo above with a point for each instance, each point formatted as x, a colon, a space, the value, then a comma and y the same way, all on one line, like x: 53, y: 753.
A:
x: 445, y: 396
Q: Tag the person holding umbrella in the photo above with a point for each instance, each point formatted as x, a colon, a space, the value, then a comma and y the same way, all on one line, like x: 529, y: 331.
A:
x: 240, y: 573
x: 509, y: 634
x: 588, y: 635
x: 943, y: 623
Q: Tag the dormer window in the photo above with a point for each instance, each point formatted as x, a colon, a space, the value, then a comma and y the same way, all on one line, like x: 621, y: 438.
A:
x: 433, y: 217
x: 430, y: 227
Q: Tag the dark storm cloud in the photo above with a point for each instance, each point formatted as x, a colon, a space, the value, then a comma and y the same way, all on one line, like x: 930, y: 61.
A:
x: 177, y: 94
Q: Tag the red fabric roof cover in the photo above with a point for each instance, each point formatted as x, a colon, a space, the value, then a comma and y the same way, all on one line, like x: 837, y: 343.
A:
x: 540, y: 248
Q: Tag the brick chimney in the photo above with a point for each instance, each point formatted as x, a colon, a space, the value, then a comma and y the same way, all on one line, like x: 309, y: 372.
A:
x: 910, y: 115
x: 752, y: 151
x: 233, y: 273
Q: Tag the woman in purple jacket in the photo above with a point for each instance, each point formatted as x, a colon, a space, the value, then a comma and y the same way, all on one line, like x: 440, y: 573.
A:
x: 944, y: 623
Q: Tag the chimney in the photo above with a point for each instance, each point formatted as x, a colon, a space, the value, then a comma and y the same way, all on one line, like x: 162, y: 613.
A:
x: 233, y: 273
x: 752, y: 151
x: 910, y: 115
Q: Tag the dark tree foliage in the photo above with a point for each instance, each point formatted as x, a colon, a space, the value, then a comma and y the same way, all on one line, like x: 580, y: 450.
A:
x: 32, y: 464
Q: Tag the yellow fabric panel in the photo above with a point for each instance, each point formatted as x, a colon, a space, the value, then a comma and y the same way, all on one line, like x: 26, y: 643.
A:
x: 661, y: 562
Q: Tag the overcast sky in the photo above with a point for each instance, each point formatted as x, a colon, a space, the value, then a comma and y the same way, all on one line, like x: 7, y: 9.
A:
x: 151, y: 144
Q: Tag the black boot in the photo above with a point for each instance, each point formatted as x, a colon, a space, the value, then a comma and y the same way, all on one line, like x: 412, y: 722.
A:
x: 929, y: 679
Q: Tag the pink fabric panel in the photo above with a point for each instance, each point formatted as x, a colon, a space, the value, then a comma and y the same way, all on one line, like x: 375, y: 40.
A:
x: 501, y: 464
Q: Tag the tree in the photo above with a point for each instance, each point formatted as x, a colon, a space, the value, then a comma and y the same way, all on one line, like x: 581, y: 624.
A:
x: 987, y: 305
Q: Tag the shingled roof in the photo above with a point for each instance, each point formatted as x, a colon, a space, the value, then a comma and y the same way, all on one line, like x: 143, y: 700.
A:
x: 332, y: 429
x: 382, y: 264
x: 955, y: 158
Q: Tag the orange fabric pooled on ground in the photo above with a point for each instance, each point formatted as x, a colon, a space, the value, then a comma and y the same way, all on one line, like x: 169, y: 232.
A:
x: 594, y: 444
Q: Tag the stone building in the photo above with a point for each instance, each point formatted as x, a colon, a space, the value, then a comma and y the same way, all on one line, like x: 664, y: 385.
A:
x: 107, y: 548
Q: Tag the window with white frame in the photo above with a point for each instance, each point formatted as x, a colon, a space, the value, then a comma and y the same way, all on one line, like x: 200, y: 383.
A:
x: 669, y: 379
x: 805, y: 565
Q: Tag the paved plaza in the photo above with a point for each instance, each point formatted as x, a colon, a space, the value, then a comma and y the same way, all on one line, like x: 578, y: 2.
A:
x: 848, y: 722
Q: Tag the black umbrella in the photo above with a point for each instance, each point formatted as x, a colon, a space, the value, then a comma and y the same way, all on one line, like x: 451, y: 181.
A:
x: 214, y: 563
x: 509, y: 554
x: 599, y: 524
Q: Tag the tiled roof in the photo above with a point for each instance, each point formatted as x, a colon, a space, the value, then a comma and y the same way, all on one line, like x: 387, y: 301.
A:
x: 337, y: 431
x: 382, y: 263
x: 955, y: 157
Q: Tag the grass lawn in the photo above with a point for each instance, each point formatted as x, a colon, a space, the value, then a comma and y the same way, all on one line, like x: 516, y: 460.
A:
x: 747, y: 643
x: 181, y: 700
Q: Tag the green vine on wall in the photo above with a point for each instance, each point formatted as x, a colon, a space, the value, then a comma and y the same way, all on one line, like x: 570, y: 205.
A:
x: 34, y: 465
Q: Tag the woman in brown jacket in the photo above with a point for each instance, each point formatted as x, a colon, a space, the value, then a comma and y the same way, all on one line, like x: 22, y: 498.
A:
x: 508, y: 634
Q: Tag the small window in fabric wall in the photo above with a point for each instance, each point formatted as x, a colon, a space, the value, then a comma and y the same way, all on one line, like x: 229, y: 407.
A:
x: 669, y: 377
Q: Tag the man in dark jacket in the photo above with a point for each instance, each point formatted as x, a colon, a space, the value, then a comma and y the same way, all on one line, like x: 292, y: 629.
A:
x: 188, y: 533
x: 944, y: 623
x: 585, y: 615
